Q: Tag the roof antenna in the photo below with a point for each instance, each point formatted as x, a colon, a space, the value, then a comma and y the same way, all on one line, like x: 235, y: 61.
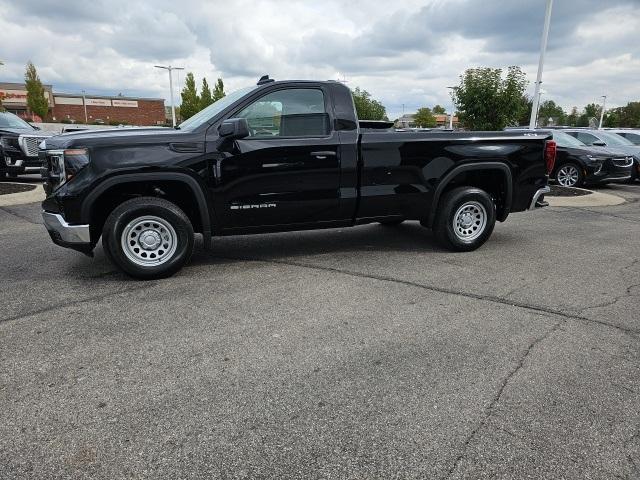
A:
x: 265, y: 79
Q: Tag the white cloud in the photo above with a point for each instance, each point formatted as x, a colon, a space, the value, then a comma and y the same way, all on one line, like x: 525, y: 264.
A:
x: 404, y: 52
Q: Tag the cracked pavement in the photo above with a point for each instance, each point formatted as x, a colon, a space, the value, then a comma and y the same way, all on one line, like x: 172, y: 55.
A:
x: 346, y: 353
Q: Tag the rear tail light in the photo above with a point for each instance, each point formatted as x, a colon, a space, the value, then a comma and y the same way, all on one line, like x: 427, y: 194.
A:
x: 550, y: 155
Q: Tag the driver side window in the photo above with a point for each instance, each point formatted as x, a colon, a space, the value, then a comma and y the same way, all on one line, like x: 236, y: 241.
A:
x: 294, y: 112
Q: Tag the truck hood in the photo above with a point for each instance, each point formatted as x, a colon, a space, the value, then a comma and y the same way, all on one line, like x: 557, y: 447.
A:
x: 113, y: 136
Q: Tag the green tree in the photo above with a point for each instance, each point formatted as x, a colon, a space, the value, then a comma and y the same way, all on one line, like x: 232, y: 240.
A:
x: 550, y: 110
x: 487, y: 101
x: 205, y: 95
x: 366, y: 107
x: 36, y: 100
x: 190, y: 101
x: 583, y: 120
x: 424, y: 118
x: 438, y: 110
x: 593, y: 110
x: 572, y: 118
x: 611, y: 118
x: 218, y: 90
x: 526, y: 104
x: 630, y: 115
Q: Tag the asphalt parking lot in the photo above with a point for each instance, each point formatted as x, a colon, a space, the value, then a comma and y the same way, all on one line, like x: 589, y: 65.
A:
x: 347, y: 353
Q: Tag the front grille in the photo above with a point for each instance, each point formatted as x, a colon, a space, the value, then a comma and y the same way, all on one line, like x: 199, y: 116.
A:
x: 30, y: 144
x: 623, y: 162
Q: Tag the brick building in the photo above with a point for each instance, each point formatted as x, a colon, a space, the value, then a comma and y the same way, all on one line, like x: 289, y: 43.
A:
x: 99, y: 109
x: 132, y: 111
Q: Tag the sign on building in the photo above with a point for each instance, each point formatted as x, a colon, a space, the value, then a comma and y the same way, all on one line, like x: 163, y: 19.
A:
x: 125, y: 103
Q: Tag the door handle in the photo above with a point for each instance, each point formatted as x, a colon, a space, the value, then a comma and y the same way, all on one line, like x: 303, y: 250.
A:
x: 323, y: 154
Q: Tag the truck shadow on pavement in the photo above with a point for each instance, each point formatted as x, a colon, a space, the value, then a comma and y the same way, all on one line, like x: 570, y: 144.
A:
x: 408, y: 237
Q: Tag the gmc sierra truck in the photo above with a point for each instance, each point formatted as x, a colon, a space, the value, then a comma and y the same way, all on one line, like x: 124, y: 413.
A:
x: 280, y: 156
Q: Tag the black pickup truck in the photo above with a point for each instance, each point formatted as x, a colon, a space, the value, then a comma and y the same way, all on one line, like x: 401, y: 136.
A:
x: 279, y: 156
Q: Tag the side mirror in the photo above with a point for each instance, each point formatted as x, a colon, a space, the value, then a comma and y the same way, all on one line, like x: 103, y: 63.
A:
x: 599, y: 143
x: 234, y: 128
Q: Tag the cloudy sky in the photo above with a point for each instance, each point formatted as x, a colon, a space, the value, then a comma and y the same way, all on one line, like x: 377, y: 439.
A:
x: 403, y: 52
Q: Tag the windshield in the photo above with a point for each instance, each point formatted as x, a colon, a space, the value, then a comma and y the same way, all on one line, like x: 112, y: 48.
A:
x: 9, y: 120
x: 565, y: 140
x: 614, y: 140
x: 215, y: 108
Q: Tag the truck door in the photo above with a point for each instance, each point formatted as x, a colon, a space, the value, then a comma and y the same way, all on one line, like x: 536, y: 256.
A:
x: 287, y: 171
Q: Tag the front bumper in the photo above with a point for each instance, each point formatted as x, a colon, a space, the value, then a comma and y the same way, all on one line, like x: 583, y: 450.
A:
x: 16, y: 164
x: 66, y: 235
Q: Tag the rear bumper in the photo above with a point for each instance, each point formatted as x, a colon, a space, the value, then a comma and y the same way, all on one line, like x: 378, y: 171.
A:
x: 538, y: 198
x: 64, y: 234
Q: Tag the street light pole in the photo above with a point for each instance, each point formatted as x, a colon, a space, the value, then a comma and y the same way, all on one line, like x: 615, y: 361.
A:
x: 543, y: 49
x: 84, y: 103
x: 453, y: 107
x: 169, y: 68
x: 540, y: 93
x: 604, y: 102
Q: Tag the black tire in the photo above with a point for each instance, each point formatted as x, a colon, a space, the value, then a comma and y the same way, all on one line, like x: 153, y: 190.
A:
x: 391, y: 223
x: 468, y: 236
x: 169, y: 221
x: 574, y: 168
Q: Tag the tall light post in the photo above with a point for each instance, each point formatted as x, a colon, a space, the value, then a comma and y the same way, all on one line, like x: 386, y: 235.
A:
x: 173, y: 108
x: 453, y: 107
x: 604, y: 102
x: 543, y: 49
x: 540, y: 93
x: 84, y: 104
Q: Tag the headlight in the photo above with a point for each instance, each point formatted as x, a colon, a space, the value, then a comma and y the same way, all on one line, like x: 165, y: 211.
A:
x: 75, y: 159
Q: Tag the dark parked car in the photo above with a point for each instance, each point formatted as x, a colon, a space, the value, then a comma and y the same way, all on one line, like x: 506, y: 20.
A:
x: 632, y: 135
x: 578, y: 164
x: 280, y: 156
x: 602, y: 139
x: 18, y: 146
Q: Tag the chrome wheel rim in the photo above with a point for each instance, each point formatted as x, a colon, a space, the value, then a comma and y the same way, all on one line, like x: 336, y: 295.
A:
x: 149, y: 241
x: 568, y: 176
x: 469, y: 221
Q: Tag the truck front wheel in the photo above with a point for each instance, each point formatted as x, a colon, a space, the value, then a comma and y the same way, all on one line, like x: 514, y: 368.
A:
x: 148, y: 238
x: 466, y: 217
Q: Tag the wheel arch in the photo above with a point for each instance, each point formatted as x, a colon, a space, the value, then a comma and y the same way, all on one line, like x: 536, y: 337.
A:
x: 202, y: 215
x: 461, y: 171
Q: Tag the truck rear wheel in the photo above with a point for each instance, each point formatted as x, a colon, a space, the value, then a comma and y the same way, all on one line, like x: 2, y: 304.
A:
x: 466, y: 217
x: 148, y: 238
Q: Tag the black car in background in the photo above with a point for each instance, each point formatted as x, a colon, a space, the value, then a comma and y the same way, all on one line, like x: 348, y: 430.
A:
x: 605, y: 140
x: 578, y: 164
x: 19, y: 143
x: 629, y: 134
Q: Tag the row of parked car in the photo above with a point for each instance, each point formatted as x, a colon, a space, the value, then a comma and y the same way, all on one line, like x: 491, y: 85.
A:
x: 595, y: 157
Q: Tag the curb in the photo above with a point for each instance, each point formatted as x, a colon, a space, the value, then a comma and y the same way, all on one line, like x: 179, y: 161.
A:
x: 32, y: 196
x: 596, y: 199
